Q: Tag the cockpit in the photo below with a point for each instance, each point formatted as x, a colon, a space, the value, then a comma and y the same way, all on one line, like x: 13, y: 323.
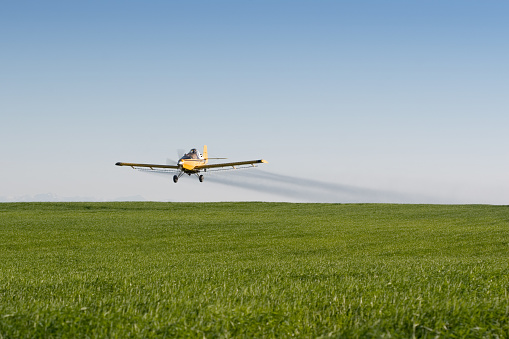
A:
x: 193, y: 154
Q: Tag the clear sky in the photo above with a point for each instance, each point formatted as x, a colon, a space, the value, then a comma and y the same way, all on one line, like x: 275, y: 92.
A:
x: 403, y: 101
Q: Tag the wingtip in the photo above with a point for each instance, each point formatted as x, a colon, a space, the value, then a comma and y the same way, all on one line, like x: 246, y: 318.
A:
x: 118, y: 164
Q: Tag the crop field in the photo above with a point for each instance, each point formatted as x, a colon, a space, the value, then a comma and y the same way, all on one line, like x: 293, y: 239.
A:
x: 253, y: 270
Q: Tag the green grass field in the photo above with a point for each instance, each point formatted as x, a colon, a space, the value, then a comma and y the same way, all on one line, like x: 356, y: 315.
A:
x: 253, y: 270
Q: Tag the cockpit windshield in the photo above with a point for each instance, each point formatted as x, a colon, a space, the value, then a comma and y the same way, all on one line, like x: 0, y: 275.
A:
x: 193, y: 154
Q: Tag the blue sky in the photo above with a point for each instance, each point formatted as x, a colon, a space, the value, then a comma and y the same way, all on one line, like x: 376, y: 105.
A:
x: 407, y: 98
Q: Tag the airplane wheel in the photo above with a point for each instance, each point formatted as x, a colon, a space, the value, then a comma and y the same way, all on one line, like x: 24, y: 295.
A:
x: 200, y: 178
x: 175, y: 179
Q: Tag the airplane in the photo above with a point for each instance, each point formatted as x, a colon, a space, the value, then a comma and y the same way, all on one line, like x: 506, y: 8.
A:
x: 192, y: 163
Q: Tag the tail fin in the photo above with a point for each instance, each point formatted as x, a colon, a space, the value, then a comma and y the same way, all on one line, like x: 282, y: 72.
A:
x: 205, y: 154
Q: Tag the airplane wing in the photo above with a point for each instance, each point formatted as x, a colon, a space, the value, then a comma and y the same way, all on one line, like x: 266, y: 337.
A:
x: 151, y: 166
x: 232, y: 164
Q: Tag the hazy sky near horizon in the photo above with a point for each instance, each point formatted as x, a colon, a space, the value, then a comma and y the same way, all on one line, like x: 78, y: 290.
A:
x: 406, y: 98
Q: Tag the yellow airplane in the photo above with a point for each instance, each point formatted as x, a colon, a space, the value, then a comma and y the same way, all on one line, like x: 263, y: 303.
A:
x: 192, y: 163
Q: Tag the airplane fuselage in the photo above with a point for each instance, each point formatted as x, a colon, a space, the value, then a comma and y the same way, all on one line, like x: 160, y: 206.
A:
x: 188, y: 165
x: 190, y: 161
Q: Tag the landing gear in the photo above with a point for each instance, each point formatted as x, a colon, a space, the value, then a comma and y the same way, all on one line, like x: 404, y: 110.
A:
x: 177, y: 176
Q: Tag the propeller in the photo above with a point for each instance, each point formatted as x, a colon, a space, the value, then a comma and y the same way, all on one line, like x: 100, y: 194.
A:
x: 180, y: 153
x: 170, y: 161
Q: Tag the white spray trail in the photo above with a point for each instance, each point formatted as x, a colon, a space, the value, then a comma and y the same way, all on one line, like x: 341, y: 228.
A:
x: 307, y: 190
